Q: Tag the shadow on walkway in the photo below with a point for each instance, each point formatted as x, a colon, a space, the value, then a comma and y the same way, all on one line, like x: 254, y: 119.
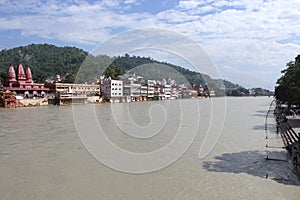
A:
x: 255, y: 163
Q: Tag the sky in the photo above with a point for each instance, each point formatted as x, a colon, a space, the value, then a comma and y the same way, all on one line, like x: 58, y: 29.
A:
x: 249, y: 41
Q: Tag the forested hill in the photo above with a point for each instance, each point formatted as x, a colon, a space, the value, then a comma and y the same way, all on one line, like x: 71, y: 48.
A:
x: 150, y: 68
x: 44, y: 60
x: 48, y: 60
x: 125, y: 63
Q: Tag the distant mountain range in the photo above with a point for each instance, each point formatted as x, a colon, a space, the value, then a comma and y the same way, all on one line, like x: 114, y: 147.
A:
x: 47, y: 60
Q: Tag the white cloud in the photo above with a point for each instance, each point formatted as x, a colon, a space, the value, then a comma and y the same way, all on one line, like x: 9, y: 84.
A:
x: 174, y: 16
x: 248, y: 78
x: 79, y: 23
x: 188, y: 4
x: 250, y: 62
x: 243, y: 34
x: 248, y: 35
x: 110, y: 3
x: 133, y: 2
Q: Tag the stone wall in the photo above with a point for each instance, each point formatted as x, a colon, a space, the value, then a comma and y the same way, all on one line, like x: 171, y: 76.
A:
x: 33, y: 102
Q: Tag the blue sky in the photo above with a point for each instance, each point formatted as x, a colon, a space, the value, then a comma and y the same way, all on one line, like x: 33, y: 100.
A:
x: 250, y: 41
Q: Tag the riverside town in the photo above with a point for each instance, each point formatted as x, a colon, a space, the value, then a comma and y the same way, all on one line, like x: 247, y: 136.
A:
x: 20, y: 90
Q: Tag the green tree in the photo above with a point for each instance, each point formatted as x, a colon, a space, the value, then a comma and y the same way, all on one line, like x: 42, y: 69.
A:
x: 288, y: 88
x: 112, y: 71
x: 2, y: 77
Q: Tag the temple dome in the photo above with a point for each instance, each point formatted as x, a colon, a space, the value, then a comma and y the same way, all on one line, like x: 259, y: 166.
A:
x: 21, y: 73
x: 28, y: 74
x: 11, y: 74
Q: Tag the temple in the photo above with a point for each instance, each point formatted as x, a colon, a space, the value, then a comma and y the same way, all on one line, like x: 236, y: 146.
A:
x: 21, y: 83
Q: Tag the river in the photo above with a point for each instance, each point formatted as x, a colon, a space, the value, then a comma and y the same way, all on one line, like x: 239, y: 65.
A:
x: 211, y: 149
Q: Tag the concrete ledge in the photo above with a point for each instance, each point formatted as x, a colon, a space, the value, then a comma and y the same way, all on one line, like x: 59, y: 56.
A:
x: 33, y: 102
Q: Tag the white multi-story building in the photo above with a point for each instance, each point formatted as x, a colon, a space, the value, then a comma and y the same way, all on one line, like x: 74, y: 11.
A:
x: 135, y: 91
x: 126, y: 91
x: 144, y: 92
x: 174, y: 93
x: 72, y: 88
x: 112, y: 90
x: 167, y: 91
x: 131, y: 91
x: 150, y: 89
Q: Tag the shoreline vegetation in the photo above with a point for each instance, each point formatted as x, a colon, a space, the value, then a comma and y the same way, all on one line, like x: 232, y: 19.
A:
x: 287, y: 90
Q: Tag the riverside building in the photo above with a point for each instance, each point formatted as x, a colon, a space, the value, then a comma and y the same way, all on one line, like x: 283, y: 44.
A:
x: 70, y: 93
x: 112, y: 90
x: 21, y: 83
x: 131, y: 88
